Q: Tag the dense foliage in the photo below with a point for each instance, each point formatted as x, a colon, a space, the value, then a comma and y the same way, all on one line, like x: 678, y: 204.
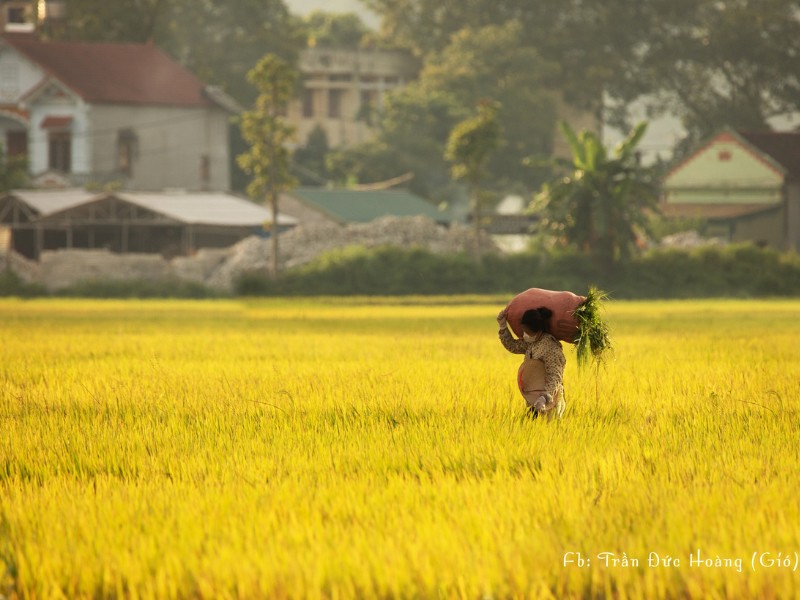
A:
x: 736, y: 271
x: 601, y: 205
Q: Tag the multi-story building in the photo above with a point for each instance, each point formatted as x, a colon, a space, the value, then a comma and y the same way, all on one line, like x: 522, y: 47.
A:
x: 342, y: 89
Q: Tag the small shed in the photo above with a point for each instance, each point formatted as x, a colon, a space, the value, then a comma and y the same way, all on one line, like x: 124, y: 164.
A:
x: 170, y: 224
x: 343, y: 206
x: 744, y: 184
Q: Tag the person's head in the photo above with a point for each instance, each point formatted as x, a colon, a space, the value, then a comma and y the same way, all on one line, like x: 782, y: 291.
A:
x: 536, y: 320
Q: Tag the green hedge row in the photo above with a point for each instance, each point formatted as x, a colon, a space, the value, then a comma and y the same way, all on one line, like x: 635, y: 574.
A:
x: 735, y: 271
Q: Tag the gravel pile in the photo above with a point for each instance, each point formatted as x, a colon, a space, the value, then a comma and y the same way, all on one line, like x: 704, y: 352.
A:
x: 27, y: 270
x: 303, y: 244
x: 219, y: 268
x: 62, y: 268
x: 689, y: 239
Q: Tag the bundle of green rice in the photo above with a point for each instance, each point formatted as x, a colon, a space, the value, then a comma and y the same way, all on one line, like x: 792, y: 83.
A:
x: 592, y: 342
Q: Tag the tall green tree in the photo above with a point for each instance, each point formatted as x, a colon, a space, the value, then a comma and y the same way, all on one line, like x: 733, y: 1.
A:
x: 334, y: 30
x: 494, y: 61
x: 469, y: 148
x: 415, y: 121
x: 412, y: 133
x: 711, y: 63
x: 265, y: 130
x: 600, y: 206
x: 717, y: 64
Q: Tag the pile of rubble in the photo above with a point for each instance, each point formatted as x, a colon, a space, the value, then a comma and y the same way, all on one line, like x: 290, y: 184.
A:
x: 219, y: 268
x: 688, y: 240
x: 27, y: 270
x: 303, y: 244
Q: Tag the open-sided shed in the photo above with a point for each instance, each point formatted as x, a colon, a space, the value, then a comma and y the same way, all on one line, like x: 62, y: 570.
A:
x: 169, y: 224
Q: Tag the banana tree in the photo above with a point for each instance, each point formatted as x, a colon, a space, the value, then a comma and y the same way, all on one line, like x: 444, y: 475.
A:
x: 601, y: 205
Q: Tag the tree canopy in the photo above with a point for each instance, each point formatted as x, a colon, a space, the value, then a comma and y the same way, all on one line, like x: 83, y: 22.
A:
x: 265, y: 131
x: 416, y: 120
x: 711, y: 63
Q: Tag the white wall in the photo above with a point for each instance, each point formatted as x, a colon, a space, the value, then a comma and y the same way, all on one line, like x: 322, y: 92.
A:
x: 58, y: 105
x: 17, y: 75
x: 170, y: 144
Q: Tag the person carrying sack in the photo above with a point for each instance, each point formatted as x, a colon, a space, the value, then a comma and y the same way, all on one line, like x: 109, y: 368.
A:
x: 541, y: 375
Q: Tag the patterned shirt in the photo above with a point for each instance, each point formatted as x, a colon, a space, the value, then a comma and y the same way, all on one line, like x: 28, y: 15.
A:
x: 545, y: 348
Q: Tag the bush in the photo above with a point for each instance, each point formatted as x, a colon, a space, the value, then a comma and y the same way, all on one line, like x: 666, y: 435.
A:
x: 137, y: 288
x: 12, y: 285
x: 742, y: 271
x: 735, y: 271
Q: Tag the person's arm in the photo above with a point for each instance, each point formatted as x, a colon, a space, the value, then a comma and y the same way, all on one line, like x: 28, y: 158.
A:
x: 509, y: 342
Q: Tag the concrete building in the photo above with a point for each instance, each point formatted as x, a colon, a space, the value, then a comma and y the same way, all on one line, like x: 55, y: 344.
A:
x: 342, y: 89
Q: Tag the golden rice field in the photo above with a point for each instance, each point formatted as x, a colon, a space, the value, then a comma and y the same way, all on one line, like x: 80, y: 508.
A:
x: 371, y: 448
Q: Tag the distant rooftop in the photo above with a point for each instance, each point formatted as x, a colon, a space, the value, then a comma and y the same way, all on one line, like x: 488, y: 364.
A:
x: 102, y: 72
x: 355, y: 206
x: 192, y: 208
x: 782, y: 146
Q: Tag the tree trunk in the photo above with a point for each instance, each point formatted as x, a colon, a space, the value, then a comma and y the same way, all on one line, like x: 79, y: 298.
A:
x: 476, y: 216
x: 273, y: 203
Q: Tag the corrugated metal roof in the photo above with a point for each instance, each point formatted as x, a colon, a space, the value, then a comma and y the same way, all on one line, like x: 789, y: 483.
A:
x: 205, y: 208
x: 355, y: 206
x: 196, y: 208
x: 45, y: 202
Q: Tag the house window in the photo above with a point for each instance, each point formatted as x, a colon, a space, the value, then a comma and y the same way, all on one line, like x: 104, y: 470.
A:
x: 18, y: 17
x: 15, y: 14
x: 335, y: 104
x: 60, y: 155
x: 126, y: 151
x: 308, y: 103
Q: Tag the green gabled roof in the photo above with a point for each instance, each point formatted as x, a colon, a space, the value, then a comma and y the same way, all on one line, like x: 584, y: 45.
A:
x: 357, y: 206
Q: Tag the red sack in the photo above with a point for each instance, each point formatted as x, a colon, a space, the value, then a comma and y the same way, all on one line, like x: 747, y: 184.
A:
x: 563, y: 324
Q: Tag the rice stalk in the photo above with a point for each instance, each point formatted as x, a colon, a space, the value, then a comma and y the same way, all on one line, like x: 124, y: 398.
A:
x: 593, y: 340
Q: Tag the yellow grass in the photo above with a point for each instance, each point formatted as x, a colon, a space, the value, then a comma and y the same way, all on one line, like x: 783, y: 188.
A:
x: 362, y: 448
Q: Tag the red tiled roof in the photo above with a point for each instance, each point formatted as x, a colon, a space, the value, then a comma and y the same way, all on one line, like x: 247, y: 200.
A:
x: 781, y: 146
x: 101, y: 72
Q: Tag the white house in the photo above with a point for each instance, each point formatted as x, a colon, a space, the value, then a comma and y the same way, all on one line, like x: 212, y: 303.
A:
x: 86, y: 113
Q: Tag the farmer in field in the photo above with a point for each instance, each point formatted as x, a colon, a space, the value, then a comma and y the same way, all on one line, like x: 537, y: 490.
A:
x: 541, y: 374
